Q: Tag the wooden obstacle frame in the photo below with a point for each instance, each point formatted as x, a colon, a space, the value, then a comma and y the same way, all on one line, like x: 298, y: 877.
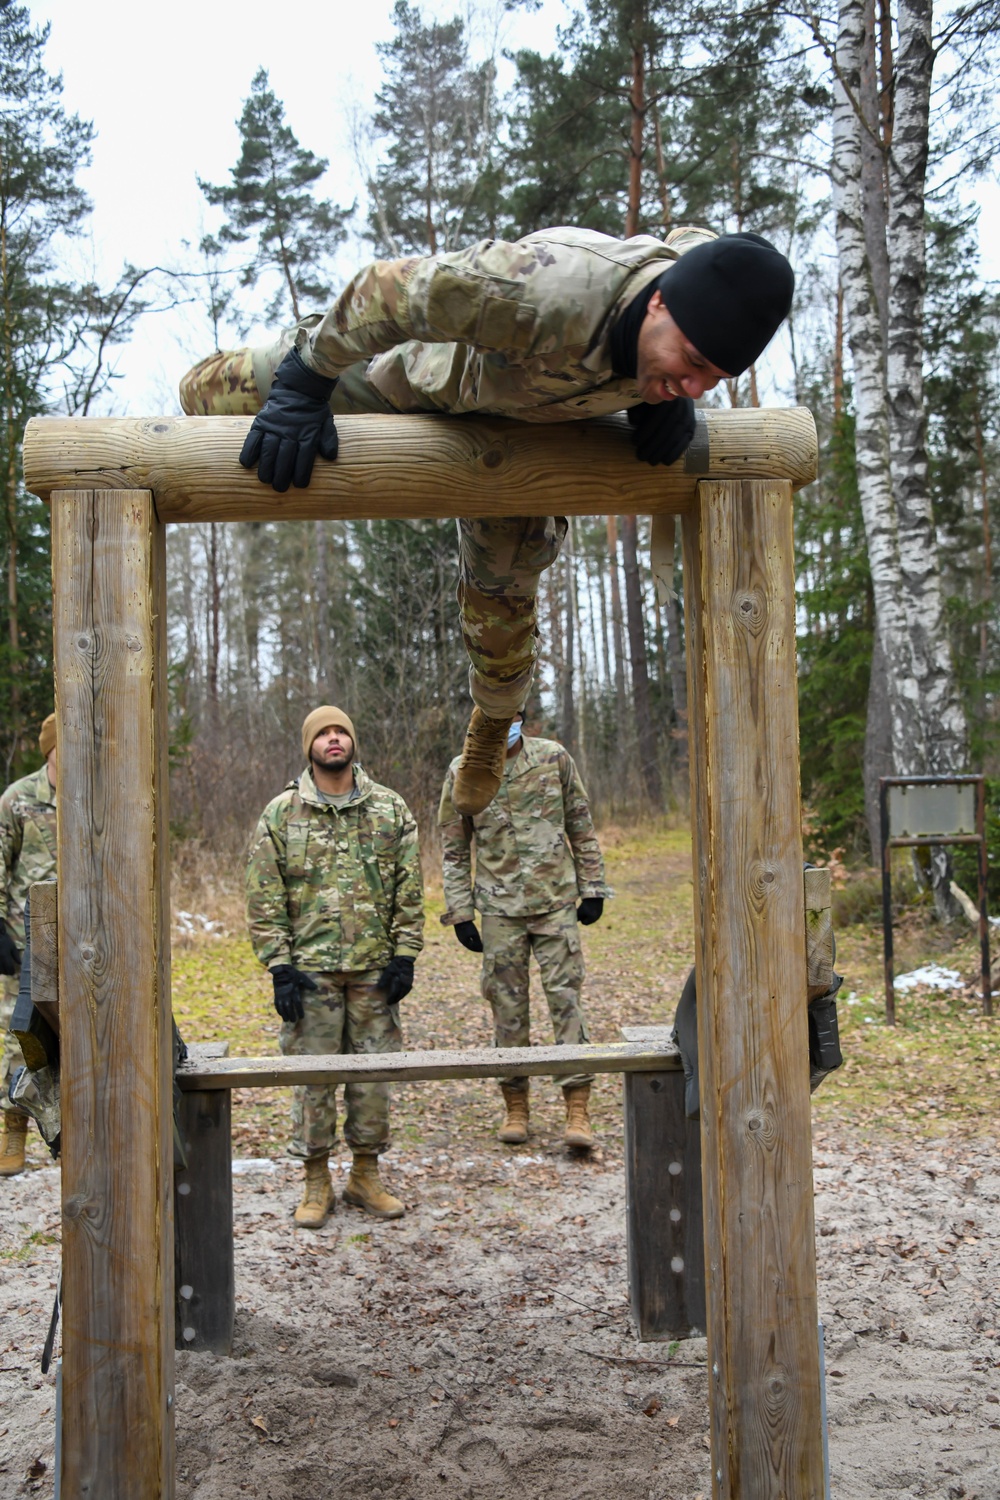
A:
x: 113, y: 486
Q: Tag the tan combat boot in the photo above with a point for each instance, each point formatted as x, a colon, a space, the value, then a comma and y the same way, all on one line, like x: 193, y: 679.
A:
x: 317, y: 1195
x: 15, y: 1129
x: 578, y: 1131
x: 480, y: 771
x: 365, y: 1190
x: 514, y: 1130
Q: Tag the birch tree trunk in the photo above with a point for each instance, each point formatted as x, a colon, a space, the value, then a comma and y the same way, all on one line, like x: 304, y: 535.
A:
x: 649, y: 764
x: 870, y: 388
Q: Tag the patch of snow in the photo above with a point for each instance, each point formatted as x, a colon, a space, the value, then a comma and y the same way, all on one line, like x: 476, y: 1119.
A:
x: 933, y: 975
x: 190, y: 922
x: 245, y: 1164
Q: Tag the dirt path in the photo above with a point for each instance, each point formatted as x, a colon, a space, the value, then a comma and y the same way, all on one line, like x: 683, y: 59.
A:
x: 481, y: 1346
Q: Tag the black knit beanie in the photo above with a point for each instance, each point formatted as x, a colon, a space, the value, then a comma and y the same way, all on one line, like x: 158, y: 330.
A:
x: 729, y: 297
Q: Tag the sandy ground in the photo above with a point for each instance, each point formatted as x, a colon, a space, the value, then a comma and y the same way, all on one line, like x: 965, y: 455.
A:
x: 481, y: 1347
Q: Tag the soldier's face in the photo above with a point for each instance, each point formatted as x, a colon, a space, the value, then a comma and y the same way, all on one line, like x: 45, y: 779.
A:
x: 668, y: 363
x: 333, y: 748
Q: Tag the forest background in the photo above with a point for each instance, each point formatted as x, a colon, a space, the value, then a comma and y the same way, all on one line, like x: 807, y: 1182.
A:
x: 858, y: 137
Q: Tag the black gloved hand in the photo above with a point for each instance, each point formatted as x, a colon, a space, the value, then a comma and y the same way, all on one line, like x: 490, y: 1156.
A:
x: 10, y: 954
x: 591, y: 909
x: 396, y: 979
x: 661, y: 431
x: 292, y: 426
x: 289, y: 982
x: 468, y: 935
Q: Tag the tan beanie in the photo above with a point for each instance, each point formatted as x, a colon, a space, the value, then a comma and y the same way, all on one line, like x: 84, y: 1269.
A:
x: 47, y: 735
x: 322, y: 718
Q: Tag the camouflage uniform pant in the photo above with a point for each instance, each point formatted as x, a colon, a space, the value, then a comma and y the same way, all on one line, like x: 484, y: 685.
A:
x: 508, y: 943
x: 10, y: 1052
x: 500, y: 561
x: 348, y: 1014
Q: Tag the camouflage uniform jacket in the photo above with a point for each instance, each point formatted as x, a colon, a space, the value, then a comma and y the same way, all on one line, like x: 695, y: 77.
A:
x: 27, y: 844
x: 516, y: 330
x: 524, y: 866
x: 335, y: 890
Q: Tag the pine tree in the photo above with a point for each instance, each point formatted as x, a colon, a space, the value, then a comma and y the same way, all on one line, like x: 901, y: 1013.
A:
x: 271, y: 204
x: 435, y: 187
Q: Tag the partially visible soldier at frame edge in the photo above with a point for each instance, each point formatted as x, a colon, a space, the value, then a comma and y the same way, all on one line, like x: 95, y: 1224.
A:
x: 537, y: 855
x: 335, y: 908
x: 559, y: 326
x: 27, y: 855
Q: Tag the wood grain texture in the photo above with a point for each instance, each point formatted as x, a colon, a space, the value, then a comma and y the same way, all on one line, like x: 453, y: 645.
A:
x: 43, y: 904
x: 117, y: 1156
x: 751, y: 961
x: 415, y: 465
x: 819, y: 931
x: 664, y: 1229
x: 409, y: 1067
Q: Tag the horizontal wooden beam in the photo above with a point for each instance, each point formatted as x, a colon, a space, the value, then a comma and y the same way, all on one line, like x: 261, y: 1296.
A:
x: 416, y: 465
x: 411, y: 1067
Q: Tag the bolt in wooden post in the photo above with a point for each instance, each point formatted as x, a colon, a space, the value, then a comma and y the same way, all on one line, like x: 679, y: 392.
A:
x: 114, y: 992
x: 764, y: 1378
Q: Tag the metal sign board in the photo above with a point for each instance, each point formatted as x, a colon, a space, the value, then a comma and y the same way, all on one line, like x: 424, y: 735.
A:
x: 926, y: 809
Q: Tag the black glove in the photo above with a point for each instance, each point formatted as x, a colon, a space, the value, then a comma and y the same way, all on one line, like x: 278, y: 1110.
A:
x: 396, y: 979
x: 591, y: 909
x: 661, y: 431
x: 289, y: 983
x: 468, y: 935
x: 292, y: 426
x: 10, y: 956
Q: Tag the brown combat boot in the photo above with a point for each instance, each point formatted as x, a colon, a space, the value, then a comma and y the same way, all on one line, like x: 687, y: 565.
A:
x: 514, y: 1130
x: 365, y: 1190
x: 317, y: 1195
x: 480, y: 771
x: 578, y: 1131
x: 15, y: 1129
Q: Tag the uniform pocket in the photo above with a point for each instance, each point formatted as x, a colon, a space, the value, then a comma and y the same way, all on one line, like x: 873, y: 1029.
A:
x: 487, y: 312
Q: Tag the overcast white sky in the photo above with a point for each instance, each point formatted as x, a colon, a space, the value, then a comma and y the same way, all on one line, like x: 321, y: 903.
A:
x: 164, y: 86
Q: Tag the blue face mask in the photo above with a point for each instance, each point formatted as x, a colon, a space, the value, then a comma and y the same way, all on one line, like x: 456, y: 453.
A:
x: 513, y: 734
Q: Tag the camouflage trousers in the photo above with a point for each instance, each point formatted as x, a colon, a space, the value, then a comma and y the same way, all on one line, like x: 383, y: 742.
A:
x: 500, y: 561
x: 10, y: 1051
x: 508, y: 943
x: 347, y: 1014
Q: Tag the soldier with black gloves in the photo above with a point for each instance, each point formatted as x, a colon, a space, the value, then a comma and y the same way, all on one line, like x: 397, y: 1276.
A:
x: 335, y: 908
x: 561, y: 325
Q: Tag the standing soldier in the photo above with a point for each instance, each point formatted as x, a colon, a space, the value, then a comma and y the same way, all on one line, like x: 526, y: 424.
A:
x: 559, y: 326
x: 335, y: 908
x: 27, y: 855
x: 528, y: 881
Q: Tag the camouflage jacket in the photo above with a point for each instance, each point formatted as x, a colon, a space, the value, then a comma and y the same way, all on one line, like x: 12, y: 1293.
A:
x: 335, y: 889
x: 524, y: 865
x: 517, y: 330
x: 27, y: 844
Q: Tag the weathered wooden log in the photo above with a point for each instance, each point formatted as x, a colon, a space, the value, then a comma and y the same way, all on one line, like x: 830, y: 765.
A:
x: 44, y: 908
x: 415, y: 465
x: 109, y: 636
x: 204, y: 1271
x: 409, y: 1067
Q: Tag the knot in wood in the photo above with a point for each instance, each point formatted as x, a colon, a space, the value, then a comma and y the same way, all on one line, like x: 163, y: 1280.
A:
x: 492, y: 458
x: 83, y: 642
x: 763, y: 881
x: 751, y: 610
x: 87, y: 953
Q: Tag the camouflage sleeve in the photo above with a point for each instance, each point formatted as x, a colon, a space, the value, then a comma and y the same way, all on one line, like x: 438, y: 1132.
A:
x: 456, y: 859
x: 408, y: 904
x: 580, y: 831
x: 463, y: 297
x: 267, y: 905
x: 10, y: 848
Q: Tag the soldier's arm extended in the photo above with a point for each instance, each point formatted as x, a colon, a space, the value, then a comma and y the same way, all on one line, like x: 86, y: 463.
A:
x: 267, y: 901
x: 473, y: 297
x: 456, y: 860
x: 580, y: 831
x: 408, y: 903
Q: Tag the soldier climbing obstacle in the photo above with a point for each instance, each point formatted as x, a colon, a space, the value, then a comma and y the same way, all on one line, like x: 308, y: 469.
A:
x: 561, y: 325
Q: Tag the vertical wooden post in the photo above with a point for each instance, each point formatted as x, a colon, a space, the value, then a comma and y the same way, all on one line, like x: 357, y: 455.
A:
x: 763, y: 1353
x: 114, y: 990
x: 664, y: 1234
x: 203, y: 1223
